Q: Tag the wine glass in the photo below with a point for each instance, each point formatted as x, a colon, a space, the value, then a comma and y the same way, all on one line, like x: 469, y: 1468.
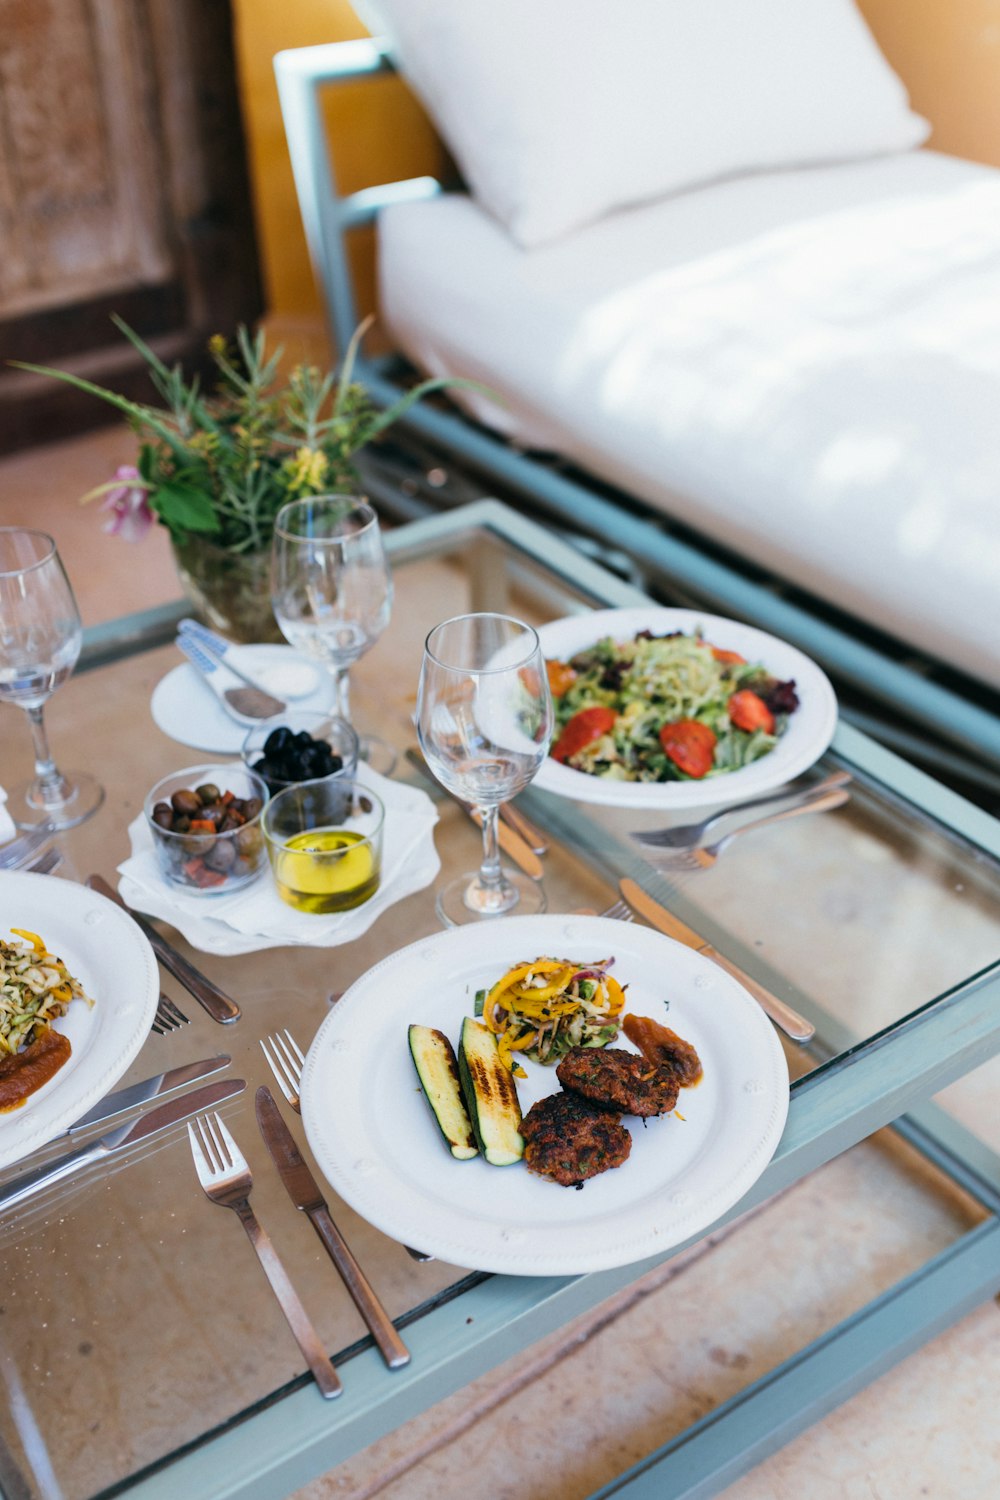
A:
x: 484, y: 721
x: 331, y: 590
x: 40, y: 639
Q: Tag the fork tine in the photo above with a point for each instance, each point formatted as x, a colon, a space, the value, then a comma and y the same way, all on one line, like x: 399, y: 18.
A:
x: 201, y: 1165
x: 222, y: 1141
x: 276, y: 1061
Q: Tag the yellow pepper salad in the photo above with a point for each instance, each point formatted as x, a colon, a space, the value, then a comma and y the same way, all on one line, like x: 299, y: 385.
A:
x: 542, y: 1009
x: 35, y: 989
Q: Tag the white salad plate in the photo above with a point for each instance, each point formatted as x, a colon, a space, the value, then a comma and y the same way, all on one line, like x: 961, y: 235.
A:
x: 807, y: 735
x: 104, y: 949
x: 185, y: 707
x: 375, y: 1139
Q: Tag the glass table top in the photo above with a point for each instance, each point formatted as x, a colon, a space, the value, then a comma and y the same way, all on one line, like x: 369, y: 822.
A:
x: 135, y: 1320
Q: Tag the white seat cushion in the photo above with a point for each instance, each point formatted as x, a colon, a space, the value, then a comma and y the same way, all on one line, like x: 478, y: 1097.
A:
x: 803, y: 365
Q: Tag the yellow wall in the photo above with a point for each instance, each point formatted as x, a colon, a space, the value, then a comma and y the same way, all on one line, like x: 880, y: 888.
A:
x: 384, y: 139
x: 946, y: 51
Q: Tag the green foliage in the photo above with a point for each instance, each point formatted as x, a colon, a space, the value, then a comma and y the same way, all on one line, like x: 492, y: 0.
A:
x: 223, y: 464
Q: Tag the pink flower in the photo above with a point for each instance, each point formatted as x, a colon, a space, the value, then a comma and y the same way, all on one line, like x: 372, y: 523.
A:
x: 128, y: 503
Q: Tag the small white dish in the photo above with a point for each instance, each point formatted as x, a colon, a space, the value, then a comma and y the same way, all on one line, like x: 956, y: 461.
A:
x: 185, y: 708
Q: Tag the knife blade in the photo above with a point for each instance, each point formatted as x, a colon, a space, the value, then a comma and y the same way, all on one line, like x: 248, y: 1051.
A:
x: 208, y: 1096
x: 218, y: 1004
x: 148, y: 1090
x: 515, y: 847
x: 789, y: 1020
x: 304, y: 1191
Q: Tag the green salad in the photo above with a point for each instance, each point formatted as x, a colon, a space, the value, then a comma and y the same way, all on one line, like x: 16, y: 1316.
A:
x: 665, y: 708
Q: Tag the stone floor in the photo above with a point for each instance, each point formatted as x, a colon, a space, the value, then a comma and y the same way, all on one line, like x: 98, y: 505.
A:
x: 565, y: 1417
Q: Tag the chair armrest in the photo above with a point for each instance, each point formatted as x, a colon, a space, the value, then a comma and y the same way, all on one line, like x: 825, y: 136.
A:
x: 328, y: 215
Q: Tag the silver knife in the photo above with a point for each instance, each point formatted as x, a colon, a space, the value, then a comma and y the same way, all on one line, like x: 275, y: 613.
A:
x: 220, y: 1006
x: 789, y: 1020
x: 209, y: 1096
x: 303, y: 1189
x: 148, y: 1090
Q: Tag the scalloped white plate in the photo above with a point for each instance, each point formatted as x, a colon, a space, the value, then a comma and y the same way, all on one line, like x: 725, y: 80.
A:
x: 105, y: 950
x: 376, y: 1141
x: 809, y: 732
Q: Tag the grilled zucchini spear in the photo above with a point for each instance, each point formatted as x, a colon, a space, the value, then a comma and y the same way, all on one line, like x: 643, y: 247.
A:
x: 490, y: 1095
x: 434, y: 1059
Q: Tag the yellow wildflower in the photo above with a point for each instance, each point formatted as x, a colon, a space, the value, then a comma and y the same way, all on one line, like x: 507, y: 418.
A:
x: 307, y: 470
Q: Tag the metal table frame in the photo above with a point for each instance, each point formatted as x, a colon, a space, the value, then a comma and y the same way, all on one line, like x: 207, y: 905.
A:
x: 286, y: 1442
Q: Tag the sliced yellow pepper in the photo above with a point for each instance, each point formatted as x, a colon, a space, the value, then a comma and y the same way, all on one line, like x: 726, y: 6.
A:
x: 32, y: 937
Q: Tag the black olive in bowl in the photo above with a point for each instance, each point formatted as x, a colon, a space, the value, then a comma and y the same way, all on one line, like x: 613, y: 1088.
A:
x: 298, y: 747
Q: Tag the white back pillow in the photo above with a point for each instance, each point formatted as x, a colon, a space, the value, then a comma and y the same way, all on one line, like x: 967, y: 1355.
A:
x: 558, y: 111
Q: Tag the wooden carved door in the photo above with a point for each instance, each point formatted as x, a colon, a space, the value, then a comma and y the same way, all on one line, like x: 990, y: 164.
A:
x: 123, y: 188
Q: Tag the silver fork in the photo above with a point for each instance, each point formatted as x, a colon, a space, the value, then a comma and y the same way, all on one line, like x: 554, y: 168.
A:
x: 687, y: 835
x: 704, y: 856
x: 284, y: 1057
x: 16, y: 854
x: 169, y: 1016
x: 223, y: 1173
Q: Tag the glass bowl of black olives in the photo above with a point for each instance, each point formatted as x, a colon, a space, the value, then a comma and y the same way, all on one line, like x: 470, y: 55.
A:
x: 205, y: 823
x: 298, y: 747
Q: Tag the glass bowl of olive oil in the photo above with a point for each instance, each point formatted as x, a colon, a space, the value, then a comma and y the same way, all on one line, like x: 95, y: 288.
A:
x: 324, y: 842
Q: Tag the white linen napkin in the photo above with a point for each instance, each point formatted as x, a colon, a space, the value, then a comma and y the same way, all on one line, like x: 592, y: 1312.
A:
x: 7, y: 829
x: 256, y: 917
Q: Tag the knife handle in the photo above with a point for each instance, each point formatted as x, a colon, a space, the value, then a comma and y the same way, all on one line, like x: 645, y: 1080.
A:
x: 27, y: 1184
x: 306, y: 1336
x: 218, y: 1004
x: 394, y: 1351
x: 523, y: 826
x: 789, y: 1020
x: 513, y: 845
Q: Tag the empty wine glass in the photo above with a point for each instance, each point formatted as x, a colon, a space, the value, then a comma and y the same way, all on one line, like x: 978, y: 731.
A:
x: 40, y: 639
x: 484, y: 720
x: 331, y: 590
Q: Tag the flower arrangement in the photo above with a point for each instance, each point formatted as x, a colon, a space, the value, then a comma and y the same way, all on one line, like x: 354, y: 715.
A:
x: 220, y: 466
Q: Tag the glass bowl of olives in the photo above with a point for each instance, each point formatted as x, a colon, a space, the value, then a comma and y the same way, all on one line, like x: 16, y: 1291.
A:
x: 298, y: 747
x: 205, y: 823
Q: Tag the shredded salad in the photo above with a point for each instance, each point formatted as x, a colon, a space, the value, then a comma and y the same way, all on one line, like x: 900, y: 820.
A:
x: 665, y: 708
x: 543, y: 1008
x: 35, y: 989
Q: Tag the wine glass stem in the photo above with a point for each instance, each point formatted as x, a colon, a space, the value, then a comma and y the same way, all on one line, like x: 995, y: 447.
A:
x: 490, y: 874
x: 51, y: 783
x: 342, y: 690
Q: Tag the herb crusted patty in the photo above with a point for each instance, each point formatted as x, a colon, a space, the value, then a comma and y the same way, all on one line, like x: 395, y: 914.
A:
x: 569, y: 1139
x: 619, y: 1080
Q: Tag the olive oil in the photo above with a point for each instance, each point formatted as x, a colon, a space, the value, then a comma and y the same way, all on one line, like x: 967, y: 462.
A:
x: 326, y: 869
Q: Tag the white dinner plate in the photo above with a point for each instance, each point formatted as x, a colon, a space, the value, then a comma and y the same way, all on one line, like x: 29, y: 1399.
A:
x: 808, y: 733
x: 103, y: 948
x: 374, y: 1137
x: 185, y: 707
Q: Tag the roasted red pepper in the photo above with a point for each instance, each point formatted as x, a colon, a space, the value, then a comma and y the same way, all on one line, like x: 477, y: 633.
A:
x: 749, y: 712
x: 721, y: 654
x: 690, y: 745
x: 583, y: 728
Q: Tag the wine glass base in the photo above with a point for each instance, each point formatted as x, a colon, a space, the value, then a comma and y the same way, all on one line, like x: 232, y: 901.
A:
x: 26, y: 807
x: 377, y: 753
x: 454, y: 909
